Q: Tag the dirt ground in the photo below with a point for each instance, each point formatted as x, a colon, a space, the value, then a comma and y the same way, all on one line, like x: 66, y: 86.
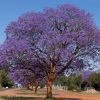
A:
x: 56, y: 93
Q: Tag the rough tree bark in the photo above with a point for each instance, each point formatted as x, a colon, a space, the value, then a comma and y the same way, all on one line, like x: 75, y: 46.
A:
x: 50, y: 79
x: 49, y: 88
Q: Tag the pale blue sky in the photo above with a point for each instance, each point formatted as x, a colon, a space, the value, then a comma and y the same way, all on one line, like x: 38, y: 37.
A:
x: 11, y: 9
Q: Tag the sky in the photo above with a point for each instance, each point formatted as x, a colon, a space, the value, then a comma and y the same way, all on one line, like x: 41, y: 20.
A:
x: 10, y: 10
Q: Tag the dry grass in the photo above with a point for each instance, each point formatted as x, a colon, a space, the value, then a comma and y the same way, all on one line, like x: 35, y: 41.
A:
x: 19, y: 94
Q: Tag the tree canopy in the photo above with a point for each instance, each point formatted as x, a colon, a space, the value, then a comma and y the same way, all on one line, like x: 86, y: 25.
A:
x: 60, y: 39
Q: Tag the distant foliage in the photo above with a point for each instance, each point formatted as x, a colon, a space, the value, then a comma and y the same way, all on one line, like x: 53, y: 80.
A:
x: 5, y: 81
x: 70, y: 82
x: 94, y: 80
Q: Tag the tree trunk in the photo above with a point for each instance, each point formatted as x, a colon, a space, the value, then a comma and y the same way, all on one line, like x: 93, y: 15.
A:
x: 32, y: 87
x: 49, y: 89
x: 50, y: 79
x: 27, y: 86
x: 36, y: 89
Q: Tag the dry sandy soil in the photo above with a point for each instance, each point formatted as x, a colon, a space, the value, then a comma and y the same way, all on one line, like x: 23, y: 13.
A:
x: 56, y: 93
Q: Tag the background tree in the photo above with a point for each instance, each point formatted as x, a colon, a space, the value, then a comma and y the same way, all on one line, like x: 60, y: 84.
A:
x: 85, y: 77
x: 61, y: 81
x: 27, y: 78
x: 72, y: 82
x: 94, y: 80
x: 5, y: 81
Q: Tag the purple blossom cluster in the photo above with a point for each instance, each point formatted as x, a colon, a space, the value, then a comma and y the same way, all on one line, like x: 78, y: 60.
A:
x: 86, y: 75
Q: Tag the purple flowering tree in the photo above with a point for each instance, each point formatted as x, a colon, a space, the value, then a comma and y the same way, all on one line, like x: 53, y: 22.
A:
x: 26, y: 78
x: 85, y: 79
x: 61, y: 39
x: 20, y: 62
x: 86, y: 75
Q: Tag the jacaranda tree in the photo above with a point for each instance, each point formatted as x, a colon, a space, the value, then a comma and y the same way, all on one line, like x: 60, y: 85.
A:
x: 61, y: 39
x: 23, y: 67
x: 26, y: 78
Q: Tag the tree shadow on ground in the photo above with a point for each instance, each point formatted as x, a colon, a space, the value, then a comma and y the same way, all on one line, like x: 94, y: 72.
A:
x: 36, y: 98
x: 41, y: 98
x: 30, y: 93
x: 25, y: 93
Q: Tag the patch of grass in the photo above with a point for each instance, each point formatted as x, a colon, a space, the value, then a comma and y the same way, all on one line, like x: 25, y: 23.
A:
x: 31, y: 98
x: 25, y: 98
